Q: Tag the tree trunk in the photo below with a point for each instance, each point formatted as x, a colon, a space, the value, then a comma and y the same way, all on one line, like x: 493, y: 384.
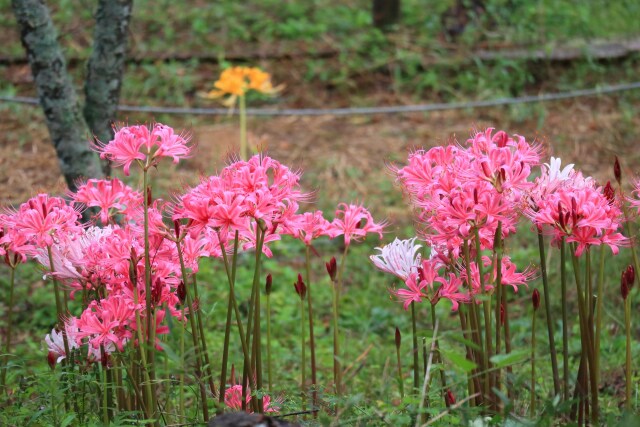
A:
x: 57, y: 96
x: 105, y: 68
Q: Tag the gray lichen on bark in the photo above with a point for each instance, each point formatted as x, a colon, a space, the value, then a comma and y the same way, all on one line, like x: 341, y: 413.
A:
x: 56, y: 93
x: 106, y: 67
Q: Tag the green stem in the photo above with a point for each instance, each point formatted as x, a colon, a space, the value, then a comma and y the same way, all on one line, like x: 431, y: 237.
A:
x: 400, y: 381
x: 547, y: 307
x: 634, y: 254
x: 194, y: 335
x: 474, y: 323
x: 203, y: 341
x: 414, y: 335
x: 438, y: 359
x: 269, y: 366
x: 312, y: 345
x: 337, y: 370
x: 243, y: 127
x: 533, y: 365
x: 139, y: 332
x: 182, y: 369
x: 151, y: 328
x: 227, y: 330
x: 628, y: 373
x: 7, y: 343
x: 497, y: 248
x: 303, y: 369
x: 600, y: 297
x: 231, y: 278
x: 587, y: 345
x: 565, y: 324
x: 260, y: 235
x: 486, y: 306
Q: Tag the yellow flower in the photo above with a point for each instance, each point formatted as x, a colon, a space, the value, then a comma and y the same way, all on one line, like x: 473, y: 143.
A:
x: 237, y: 81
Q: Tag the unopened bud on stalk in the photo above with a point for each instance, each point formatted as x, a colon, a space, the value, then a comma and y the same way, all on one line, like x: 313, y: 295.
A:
x: 149, y: 197
x: 451, y: 398
x: 51, y: 359
x: 176, y: 227
x: 300, y: 287
x: 630, y: 274
x: 624, y: 286
x: 535, y: 299
x: 332, y: 268
x: 609, y: 192
x: 561, y: 216
x: 268, y: 284
x: 617, y: 172
x: 182, y: 292
x: 398, y: 338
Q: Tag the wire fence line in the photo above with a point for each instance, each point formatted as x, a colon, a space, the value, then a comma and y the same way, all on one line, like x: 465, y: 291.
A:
x: 355, y: 111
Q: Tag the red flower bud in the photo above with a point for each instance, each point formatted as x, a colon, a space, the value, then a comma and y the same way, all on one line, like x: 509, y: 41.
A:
x: 451, y: 399
x: 609, y: 193
x: 301, y: 288
x: 501, y: 138
x: 149, y: 197
x: 624, y: 286
x: 617, y: 172
x: 535, y: 299
x: 51, y: 359
x: 182, y: 292
x: 630, y: 276
x: 398, y: 338
x: 156, y: 292
x: 268, y: 284
x: 561, y: 216
x: 486, y: 169
x: 332, y: 268
x: 176, y: 227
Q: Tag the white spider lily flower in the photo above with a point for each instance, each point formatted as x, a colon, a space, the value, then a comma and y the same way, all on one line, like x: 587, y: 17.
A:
x: 555, y: 174
x: 55, y: 342
x: 399, y: 258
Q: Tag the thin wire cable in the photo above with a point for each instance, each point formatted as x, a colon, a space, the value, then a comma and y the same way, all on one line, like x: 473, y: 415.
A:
x: 354, y: 111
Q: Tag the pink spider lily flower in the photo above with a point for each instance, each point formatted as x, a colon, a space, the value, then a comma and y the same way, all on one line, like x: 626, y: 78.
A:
x: 452, y: 289
x: 145, y: 145
x: 415, y: 290
x: 580, y: 212
x: 14, y: 245
x: 233, y: 400
x: 307, y: 226
x: 354, y: 222
x: 399, y: 258
x: 44, y: 220
x: 111, y: 196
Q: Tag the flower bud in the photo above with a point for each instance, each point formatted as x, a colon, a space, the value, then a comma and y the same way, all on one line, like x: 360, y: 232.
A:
x: 535, y: 299
x: 149, y: 197
x: 332, y: 268
x: 268, y: 284
x: 630, y: 276
x: 486, y: 170
x: 52, y: 359
x: 398, y: 338
x: 617, y: 172
x: 182, y: 292
x: 301, y: 288
x: 561, y: 219
x: 624, y: 286
x: 176, y: 227
x: 609, y: 193
x: 450, y: 397
x: 501, y: 138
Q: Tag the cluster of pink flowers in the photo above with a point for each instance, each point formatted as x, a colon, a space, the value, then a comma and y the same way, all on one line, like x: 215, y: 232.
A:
x: 460, y: 193
x: 103, y: 262
x: 567, y: 205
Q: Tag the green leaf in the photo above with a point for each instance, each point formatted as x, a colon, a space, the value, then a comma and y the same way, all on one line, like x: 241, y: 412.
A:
x: 67, y: 420
x: 502, y: 360
x: 459, y: 361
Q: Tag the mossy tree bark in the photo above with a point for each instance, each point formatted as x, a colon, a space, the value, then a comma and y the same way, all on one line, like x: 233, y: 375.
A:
x: 69, y: 129
x: 106, y: 67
